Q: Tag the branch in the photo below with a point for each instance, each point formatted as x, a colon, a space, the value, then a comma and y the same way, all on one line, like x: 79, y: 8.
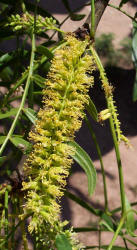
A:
x: 100, y: 6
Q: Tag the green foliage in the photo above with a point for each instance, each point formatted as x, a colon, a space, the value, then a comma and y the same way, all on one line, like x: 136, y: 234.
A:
x: 112, y: 56
x: 83, y: 159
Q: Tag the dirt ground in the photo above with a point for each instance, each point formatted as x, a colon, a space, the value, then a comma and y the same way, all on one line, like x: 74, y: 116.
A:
x: 122, y: 79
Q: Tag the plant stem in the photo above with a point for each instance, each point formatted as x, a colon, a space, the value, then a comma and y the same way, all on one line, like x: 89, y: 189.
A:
x: 116, y: 233
x: 83, y: 204
x: 116, y: 146
x: 92, y: 30
x: 101, y: 162
x: 122, y: 11
x: 119, y: 208
x: 112, y: 127
x: 120, y: 171
x: 23, y: 97
x: 6, y: 216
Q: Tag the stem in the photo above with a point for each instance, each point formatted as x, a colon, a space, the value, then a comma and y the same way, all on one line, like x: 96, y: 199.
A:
x: 83, y: 204
x: 116, y: 233
x: 120, y: 171
x: 112, y: 127
x: 23, y: 97
x: 101, y: 162
x: 6, y: 217
x: 13, y: 230
x: 122, y: 11
x: 22, y: 226
x: 119, y: 208
x: 92, y: 30
x: 125, y: 243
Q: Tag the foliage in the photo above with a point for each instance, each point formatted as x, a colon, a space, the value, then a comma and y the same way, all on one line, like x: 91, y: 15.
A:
x: 62, y: 72
x: 111, y: 55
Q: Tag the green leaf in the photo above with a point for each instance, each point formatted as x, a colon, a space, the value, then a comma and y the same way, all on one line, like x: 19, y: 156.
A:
x: 122, y: 3
x: 2, y: 139
x: 134, y: 58
x: 62, y: 243
x: 91, y: 108
x: 77, y: 17
x: 66, y: 4
x: 82, y: 203
x: 130, y: 222
x: 114, y: 248
x: 107, y: 222
x: 39, y: 80
x: 12, y: 112
x: 20, y: 143
x: 83, y: 159
x: 2, y: 159
x: 44, y: 51
x: 31, y: 114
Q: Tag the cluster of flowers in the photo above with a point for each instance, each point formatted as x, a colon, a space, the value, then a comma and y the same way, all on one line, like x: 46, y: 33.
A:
x: 47, y: 167
x: 26, y: 23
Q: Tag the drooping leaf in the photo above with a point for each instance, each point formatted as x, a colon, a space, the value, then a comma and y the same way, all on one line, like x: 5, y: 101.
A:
x: 134, y: 58
x: 83, y: 159
x: 82, y: 203
x: 123, y: 2
x: 130, y: 222
x: 62, y: 243
x: 66, y: 4
x: 44, y: 51
x: 77, y: 17
x: 31, y: 114
x: 20, y: 143
x: 39, y: 80
x: 91, y: 108
x: 11, y: 112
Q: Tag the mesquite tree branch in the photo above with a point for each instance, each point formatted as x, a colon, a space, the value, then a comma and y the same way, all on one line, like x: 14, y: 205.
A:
x: 100, y: 6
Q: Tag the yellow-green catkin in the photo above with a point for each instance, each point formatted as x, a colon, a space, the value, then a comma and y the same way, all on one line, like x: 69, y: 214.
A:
x: 47, y: 167
x: 108, y: 89
x: 112, y: 109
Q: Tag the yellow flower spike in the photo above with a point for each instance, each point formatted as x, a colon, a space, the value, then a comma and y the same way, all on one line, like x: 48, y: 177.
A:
x: 64, y: 98
x: 104, y: 115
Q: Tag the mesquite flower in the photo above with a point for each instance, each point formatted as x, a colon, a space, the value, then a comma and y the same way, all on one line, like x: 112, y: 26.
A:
x: 47, y: 167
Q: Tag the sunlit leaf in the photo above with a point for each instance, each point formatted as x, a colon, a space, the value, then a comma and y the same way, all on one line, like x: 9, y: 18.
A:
x: 20, y: 143
x: 107, y: 222
x: 2, y: 139
x: 83, y: 159
x: 44, y: 51
x: 31, y: 114
x: 91, y: 108
x: 62, y: 243
x: 130, y: 222
x: 11, y: 112
x: 39, y: 80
